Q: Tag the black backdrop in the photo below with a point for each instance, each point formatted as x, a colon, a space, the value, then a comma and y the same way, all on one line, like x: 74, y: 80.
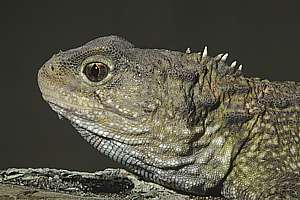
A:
x: 262, y: 35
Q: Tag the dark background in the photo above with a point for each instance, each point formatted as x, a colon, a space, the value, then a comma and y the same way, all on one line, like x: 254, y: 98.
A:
x: 262, y: 35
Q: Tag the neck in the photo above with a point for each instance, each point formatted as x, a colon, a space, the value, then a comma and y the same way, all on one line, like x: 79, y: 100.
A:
x: 222, y: 99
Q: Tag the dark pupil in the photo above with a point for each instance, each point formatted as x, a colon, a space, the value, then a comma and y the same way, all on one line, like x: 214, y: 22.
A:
x: 96, y: 71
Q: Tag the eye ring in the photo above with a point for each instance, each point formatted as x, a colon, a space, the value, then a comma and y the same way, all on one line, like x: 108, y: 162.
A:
x: 96, y: 71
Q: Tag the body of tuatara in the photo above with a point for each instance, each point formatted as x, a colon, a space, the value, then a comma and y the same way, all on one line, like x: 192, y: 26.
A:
x: 184, y: 120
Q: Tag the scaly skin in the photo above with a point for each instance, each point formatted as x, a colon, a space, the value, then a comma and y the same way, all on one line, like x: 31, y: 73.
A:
x: 186, y: 121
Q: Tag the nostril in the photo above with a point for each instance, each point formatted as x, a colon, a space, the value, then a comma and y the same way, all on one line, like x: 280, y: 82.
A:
x: 52, y: 68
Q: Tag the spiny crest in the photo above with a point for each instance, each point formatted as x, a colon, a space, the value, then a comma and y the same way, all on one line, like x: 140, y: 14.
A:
x: 221, y: 66
x: 188, y: 51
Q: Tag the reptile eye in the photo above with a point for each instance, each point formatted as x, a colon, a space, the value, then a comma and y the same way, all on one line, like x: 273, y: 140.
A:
x: 96, y: 72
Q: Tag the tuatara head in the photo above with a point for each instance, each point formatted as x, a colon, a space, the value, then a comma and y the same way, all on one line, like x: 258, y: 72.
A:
x: 144, y: 108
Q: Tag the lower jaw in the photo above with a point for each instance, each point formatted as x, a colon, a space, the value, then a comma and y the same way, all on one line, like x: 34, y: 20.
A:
x: 119, y: 152
x: 126, y: 156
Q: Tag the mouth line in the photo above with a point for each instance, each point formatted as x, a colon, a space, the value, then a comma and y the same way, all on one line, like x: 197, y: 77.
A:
x: 65, y: 105
x: 70, y: 107
x: 93, y: 126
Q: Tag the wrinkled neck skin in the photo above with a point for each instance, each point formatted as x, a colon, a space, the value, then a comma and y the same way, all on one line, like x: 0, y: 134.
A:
x: 164, y: 115
x: 193, y: 133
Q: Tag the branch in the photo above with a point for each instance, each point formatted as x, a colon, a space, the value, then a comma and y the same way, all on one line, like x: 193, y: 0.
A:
x: 63, y: 184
